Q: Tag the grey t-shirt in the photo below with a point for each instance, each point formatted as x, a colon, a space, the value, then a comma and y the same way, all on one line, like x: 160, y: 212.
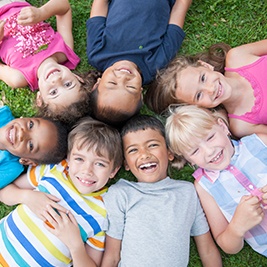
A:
x: 154, y: 221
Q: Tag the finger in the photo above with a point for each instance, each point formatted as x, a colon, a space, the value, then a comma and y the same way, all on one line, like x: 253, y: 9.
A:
x: 52, y: 197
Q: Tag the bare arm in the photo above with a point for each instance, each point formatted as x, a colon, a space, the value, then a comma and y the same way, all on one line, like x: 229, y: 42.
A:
x: 208, y: 251
x: 111, y: 256
x: 99, y: 8
x: 179, y: 11
x: 59, y: 8
x: 246, y: 54
x: 240, y: 128
x: 230, y: 236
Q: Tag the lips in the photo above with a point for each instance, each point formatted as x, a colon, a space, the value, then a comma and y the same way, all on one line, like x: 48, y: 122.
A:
x: 52, y: 72
x: 86, y: 182
x: 219, y: 92
x: 217, y: 159
x: 10, y: 136
x: 125, y: 70
x: 148, y: 167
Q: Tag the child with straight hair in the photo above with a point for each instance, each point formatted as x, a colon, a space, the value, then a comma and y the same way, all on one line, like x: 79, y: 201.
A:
x: 74, y: 234
x: 231, y: 176
x: 232, y: 77
x: 25, y: 141
x: 128, y: 41
x: 34, y: 55
x: 151, y: 220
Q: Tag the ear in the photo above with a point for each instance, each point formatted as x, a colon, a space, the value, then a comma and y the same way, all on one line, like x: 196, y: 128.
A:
x: 126, y: 166
x: 39, y: 100
x: 223, y: 125
x: 96, y: 84
x: 24, y: 161
x: 112, y: 175
x: 206, y: 65
x: 80, y: 79
x: 170, y: 155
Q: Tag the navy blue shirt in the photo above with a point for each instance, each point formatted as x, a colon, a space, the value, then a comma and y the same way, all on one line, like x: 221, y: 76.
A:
x: 137, y: 31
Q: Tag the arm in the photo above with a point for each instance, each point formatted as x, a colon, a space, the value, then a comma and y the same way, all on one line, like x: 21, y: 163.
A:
x: 65, y: 227
x: 179, y: 11
x: 230, y: 236
x: 20, y: 191
x: 99, y: 8
x: 246, y: 54
x: 59, y: 8
x: 208, y: 251
x: 111, y: 256
x: 240, y: 128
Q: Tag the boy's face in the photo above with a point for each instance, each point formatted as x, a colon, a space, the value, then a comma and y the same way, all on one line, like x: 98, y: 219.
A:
x: 146, y: 155
x: 120, y: 86
x: 28, y: 138
x: 58, y: 86
x: 214, y: 152
x: 88, y: 171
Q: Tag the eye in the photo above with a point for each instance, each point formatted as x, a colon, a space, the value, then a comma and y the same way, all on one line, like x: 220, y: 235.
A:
x: 79, y: 159
x: 100, y: 164
x: 198, y: 96
x: 31, y: 124
x: 153, y: 145
x: 194, y: 152
x: 68, y: 84
x: 112, y: 83
x: 203, y: 77
x: 53, y: 92
x: 132, y: 150
x: 31, y: 146
x: 131, y: 87
x: 210, y: 137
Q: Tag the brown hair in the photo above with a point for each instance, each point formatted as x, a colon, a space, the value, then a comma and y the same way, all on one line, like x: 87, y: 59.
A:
x: 161, y: 92
x: 97, y: 135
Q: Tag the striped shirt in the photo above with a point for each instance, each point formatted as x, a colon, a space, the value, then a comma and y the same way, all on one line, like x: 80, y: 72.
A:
x: 25, y: 241
x: 250, y: 159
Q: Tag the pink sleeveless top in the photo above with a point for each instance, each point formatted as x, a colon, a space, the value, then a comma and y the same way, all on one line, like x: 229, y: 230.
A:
x: 255, y: 74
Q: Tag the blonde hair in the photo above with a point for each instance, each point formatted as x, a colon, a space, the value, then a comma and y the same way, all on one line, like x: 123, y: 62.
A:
x: 186, y: 123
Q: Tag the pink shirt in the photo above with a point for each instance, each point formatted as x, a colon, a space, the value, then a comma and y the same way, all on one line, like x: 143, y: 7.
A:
x: 25, y: 48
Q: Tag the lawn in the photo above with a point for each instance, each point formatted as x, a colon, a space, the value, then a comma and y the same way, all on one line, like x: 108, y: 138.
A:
x: 232, y: 21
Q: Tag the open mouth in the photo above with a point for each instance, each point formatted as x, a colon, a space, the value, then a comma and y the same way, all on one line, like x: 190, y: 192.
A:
x: 52, y: 72
x: 217, y: 158
x: 125, y: 70
x: 11, y: 135
x: 86, y: 182
x: 148, y: 166
x: 219, y: 91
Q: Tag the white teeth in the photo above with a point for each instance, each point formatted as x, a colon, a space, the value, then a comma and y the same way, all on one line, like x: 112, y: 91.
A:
x: 147, y: 165
x: 11, y: 135
x: 86, y: 182
x: 124, y: 70
x: 216, y: 158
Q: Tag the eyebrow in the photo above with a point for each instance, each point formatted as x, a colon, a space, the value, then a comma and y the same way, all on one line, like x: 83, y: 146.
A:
x: 36, y: 146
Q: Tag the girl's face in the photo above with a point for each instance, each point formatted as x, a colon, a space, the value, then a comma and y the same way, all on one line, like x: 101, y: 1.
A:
x: 202, y: 86
x: 214, y: 152
x: 28, y: 138
x: 58, y: 86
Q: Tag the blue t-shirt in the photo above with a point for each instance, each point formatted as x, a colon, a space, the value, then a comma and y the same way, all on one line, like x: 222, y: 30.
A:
x: 137, y: 31
x: 10, y: 168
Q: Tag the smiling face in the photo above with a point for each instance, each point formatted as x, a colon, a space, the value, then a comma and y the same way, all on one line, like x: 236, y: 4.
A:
x: 89, y: 171
x: 28, y: 138
x: 214, y: 151
x: 120, y: 86
x: 146, y: 155
x: 58, y: 86
x: 202, y: 86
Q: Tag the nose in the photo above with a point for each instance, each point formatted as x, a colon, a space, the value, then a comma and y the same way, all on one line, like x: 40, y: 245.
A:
x: 56, y: 78
x: 87, y: 169
x: 22, y: 134
x: 209, y: 151
x: 144, y: 154
x: 209, y: 89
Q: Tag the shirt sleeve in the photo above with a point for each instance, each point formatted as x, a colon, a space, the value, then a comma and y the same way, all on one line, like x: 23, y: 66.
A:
x: 35, y: 173
x: 115, y: 205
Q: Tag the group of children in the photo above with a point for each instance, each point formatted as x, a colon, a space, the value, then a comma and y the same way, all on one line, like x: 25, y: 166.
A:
x: 66, y: 215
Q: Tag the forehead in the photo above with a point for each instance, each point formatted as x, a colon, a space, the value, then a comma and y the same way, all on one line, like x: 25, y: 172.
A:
x: 142, y: 136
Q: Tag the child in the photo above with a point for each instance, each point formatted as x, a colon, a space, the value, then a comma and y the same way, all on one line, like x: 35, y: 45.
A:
x: 34, y: 55
x: 28, y: 141
x: 150, y: 221
x: 128, y: 41
x: 94, y: 156
x: 240, y: 87
x: 231, y: 178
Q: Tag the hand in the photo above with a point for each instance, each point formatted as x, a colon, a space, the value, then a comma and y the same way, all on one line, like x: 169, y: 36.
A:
x: 248, y: 214
x: 38, y: 201
x: 29, y: 16
x: 2, y: 24
x: 264, y: 195
x: 65, y: 227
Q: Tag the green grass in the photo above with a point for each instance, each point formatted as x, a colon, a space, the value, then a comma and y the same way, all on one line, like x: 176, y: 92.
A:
x: 232, y: 21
